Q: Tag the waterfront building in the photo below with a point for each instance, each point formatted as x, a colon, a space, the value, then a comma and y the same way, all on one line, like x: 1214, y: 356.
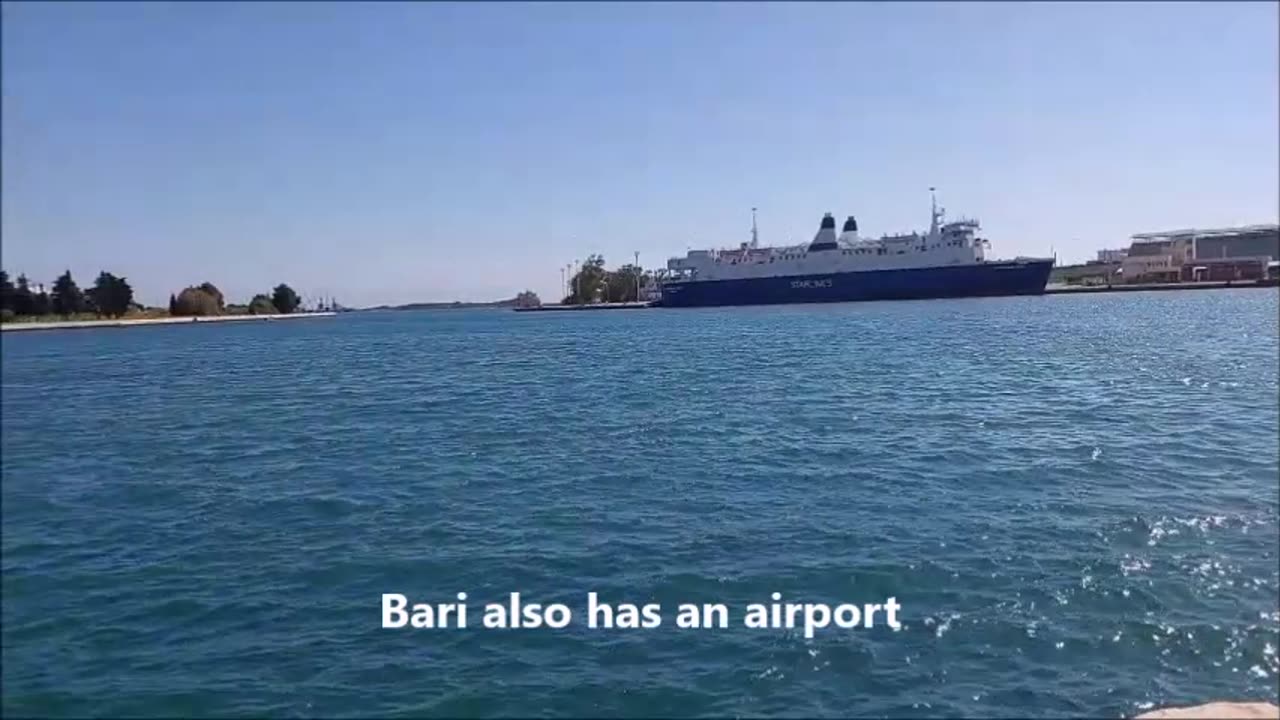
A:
x: 1239, y: 253
x: 1090, y: 273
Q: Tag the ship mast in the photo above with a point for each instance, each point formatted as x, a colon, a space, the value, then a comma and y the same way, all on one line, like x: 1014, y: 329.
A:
x: 755, y: 235
x: 933, y: 213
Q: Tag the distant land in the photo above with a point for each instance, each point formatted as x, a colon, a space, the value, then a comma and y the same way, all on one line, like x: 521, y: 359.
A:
x: 455, y: 305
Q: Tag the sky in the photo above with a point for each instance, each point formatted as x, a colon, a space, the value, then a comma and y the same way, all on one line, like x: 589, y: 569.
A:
x: 403, y: 152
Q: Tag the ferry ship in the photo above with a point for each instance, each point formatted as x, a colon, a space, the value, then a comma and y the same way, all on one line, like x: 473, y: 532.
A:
x: 948, y: 262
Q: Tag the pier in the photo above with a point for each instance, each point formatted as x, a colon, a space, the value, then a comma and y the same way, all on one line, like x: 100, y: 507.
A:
x: 590, y: 306
x: 1146, y: 287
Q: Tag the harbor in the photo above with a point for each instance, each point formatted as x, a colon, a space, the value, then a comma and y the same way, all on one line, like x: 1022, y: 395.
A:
x: 1051, y: 290
x: 949, y: 260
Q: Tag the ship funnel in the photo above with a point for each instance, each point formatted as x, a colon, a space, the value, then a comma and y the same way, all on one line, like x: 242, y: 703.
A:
x: 826, y: 237
x: 850, y: 232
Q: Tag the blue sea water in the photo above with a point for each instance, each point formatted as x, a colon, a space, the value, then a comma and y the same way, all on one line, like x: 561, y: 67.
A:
x: 1074, y: 499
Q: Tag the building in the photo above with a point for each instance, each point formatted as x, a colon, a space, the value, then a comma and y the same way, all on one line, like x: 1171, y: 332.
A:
x: 1090, y: 273
x: 1240, y: 253
x: 1112, y: 256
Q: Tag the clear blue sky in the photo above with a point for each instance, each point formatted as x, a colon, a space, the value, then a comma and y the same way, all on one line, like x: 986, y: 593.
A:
x: 401, y: 152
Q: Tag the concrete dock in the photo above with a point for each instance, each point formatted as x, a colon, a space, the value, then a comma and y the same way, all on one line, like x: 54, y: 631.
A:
x: 1147, y: 287
x: 135, y: 322
x: 592, y: 306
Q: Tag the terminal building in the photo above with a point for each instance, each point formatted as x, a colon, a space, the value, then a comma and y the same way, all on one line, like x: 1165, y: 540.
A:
x: 1239, y: 253
x: 1112, y: 256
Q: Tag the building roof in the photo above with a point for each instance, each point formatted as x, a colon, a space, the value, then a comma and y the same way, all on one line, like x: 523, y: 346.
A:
x: 1208, y: 232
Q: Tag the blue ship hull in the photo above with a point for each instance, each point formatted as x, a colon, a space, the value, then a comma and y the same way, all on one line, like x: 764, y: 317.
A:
x: 1014, y: 277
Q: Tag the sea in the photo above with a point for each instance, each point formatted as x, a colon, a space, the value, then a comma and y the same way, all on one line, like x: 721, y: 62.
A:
x: 1074, y: 500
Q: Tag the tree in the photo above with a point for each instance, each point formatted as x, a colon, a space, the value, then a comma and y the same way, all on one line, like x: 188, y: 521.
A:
x: 215, y: 293
x: 588, y: 283
x: 528, y: 298
x: 23, y: 301
x: 261, y: 304
x: 173, y: 304
x: 285, y: 299
x: 622, y: 283
x: 28, y: 302
x: 112, y: 295
x: 7, y: 292
x: 41, y: 304
x: 67, y: 298
x: 195, y: 301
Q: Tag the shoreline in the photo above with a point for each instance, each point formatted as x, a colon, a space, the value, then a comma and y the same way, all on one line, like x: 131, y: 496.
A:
x: 1049, y: 290
x: 1147, y: 287
x: 125, y: 322
x: 586, y: 307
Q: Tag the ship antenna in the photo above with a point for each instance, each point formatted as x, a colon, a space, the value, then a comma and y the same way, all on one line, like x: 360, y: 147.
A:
x: 755, y: 235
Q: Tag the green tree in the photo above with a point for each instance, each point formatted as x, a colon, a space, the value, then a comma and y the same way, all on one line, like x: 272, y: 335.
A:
x: 528, y: 298
x: 90, y: 303
x: 7, y: 292
x: 285, y: 299
x: 588, y: 284
x: 622, y: 283
x: 173, y: 304
x: 67, y: 298
x: 41, y: 304
x: 215, y: 293
x: 195, y: 301
x: 261, y: 305
x: 23, y: 302
x: 112, y: 295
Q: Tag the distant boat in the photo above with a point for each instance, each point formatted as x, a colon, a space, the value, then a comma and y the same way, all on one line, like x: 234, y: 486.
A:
x: 947, y: 262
